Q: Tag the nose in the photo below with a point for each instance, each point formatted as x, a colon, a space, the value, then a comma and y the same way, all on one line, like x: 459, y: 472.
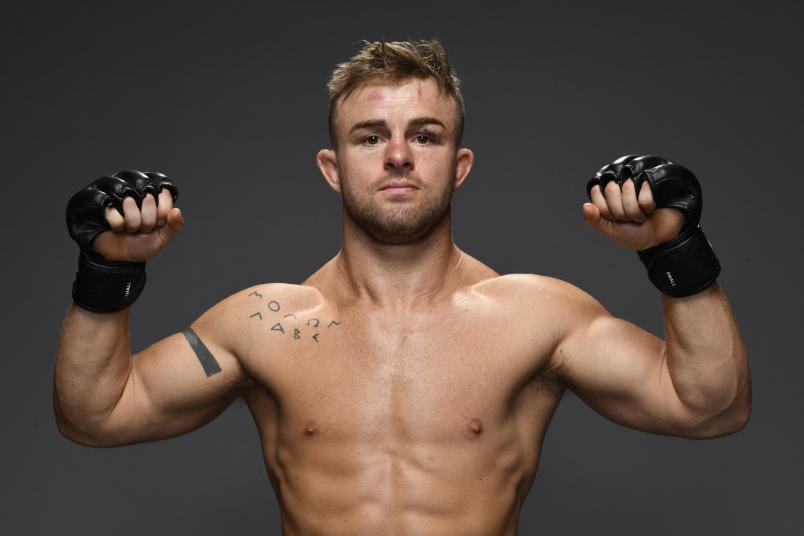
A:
x: 398, y: 158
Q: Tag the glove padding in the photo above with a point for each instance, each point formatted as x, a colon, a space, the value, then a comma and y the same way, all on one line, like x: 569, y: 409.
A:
x: 85, y: 210
x: 686, y: 264
x: 102, y: 285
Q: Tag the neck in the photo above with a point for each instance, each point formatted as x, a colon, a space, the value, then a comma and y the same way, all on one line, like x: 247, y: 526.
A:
x: 399, y: 276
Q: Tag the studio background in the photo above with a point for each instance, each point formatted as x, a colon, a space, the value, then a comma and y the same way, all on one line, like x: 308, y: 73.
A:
x: 229, y: 100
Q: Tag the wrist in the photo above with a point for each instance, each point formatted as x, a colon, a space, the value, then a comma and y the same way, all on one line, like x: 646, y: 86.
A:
x: 683, y: 266
x: 104, y: 286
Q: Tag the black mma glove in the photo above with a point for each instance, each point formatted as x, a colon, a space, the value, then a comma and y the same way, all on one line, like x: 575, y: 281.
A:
x: 686, y: 264
x: 102, y: 285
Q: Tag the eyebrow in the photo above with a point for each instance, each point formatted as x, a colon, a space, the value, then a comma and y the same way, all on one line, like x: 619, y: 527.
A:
x: 413, y: 123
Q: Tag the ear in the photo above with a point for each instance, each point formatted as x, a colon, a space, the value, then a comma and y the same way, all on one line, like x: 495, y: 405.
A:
x: 464, y: 159
x: 327, y: 162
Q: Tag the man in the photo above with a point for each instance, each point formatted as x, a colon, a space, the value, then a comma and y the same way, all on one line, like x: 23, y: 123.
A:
x: 405, y: 387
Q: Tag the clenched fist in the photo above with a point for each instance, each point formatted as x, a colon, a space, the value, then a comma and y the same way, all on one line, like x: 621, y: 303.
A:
x: 653, y: 205
x: 127, y: 216
x: 623, y: 208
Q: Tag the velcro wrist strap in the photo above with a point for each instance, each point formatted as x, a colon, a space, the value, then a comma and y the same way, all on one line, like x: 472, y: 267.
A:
x: 683, y: 266
x: 104, y: 286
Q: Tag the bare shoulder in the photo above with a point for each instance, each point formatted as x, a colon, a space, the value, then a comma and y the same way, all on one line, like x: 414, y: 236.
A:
x: 235, y: 327
x: 231, y: 322
x: 533, y: 290
x: 275, y: 295
x: 546, y: 306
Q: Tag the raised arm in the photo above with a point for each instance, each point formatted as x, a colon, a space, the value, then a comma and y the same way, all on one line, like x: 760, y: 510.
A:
x: 696, y: 383
x: 103, y: 395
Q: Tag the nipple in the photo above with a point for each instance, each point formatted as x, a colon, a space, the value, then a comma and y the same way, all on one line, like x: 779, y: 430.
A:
x: 475, y: 427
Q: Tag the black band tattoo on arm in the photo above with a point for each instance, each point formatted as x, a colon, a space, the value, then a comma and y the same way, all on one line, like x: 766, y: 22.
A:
x: 203, y: 354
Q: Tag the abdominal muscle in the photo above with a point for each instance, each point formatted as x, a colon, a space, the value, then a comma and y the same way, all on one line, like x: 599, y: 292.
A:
x: 424, y: 473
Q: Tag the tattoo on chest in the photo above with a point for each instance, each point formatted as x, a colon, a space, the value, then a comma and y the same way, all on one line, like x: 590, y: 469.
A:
x: 288, y: 324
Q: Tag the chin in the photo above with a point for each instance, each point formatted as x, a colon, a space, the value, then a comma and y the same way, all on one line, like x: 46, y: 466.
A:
x: 398, y: 223
x: 390, y: 230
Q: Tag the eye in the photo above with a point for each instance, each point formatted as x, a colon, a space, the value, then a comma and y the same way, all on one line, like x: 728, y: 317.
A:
x: 373, y: 139
x: 426, y: 136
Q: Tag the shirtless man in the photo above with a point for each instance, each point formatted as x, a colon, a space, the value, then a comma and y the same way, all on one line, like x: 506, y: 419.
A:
x: 405, y: 387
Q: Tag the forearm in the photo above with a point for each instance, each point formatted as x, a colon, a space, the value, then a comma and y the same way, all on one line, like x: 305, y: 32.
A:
x: 706, y: 356
x: 92, y: 366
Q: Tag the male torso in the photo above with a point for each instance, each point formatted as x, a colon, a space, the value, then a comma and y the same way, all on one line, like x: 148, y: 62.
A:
x: 379, y: 421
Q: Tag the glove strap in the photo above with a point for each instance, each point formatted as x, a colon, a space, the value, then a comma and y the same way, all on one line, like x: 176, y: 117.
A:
x: 683, y: 266
x: 104, y: 286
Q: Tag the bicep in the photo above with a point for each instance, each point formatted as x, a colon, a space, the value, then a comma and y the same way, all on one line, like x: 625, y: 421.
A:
x: 621, y: 371
x: 174, y: 387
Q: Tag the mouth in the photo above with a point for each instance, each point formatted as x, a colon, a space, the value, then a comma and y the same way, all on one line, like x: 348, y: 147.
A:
x: 398, y: 187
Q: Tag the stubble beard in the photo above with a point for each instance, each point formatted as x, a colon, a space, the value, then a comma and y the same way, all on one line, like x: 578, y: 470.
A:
x: 397, y: 223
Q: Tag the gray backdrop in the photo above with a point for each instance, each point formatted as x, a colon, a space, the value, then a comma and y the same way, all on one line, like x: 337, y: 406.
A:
x: 229, y: 100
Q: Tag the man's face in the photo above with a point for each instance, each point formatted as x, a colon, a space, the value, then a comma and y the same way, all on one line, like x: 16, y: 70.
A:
x: 397, y: 163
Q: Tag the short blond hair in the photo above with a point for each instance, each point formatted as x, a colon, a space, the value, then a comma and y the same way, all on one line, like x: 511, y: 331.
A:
x: 395, y: 61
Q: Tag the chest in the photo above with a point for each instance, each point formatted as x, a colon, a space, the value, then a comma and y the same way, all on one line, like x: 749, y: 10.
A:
x: 425, y: 375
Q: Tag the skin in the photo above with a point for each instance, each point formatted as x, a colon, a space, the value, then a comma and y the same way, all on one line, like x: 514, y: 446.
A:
x: 405, y: 387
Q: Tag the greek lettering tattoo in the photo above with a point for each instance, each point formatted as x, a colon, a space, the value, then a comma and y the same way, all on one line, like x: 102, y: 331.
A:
x: 308, y: 328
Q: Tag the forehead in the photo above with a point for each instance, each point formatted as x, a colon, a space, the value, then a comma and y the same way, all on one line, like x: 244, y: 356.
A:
x: 390, y: 99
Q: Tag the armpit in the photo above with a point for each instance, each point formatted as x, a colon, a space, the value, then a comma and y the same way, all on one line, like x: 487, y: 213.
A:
x: 244, y: 387
x: 550, y: 380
